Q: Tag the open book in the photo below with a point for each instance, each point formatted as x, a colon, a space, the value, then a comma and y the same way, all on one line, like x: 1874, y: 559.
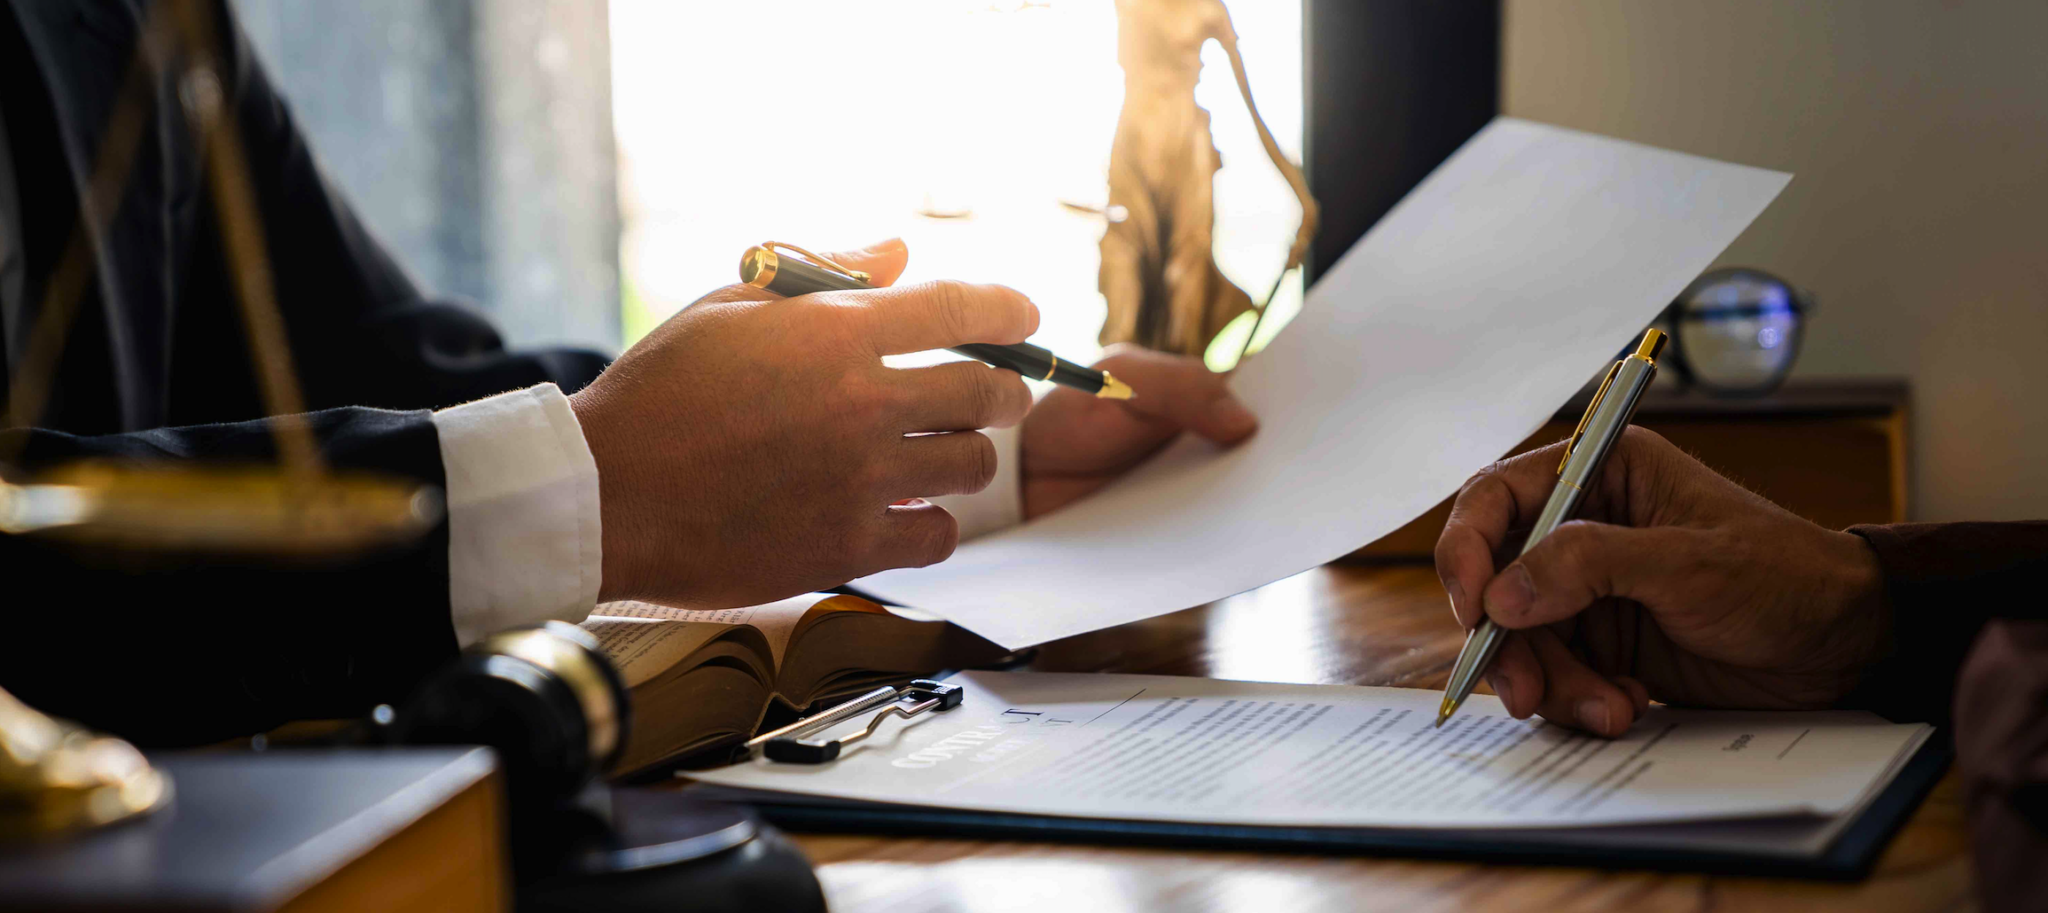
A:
x: 701, y: 678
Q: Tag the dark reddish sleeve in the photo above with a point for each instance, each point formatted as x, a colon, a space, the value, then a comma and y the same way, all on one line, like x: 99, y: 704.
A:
x: 1945, y: 581
x: 1969, y: 605
x: 2002, y: 749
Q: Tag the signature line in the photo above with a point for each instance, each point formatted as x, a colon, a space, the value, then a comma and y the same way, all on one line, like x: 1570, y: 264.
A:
x: 1795, y: 744
x: 1118, y: 704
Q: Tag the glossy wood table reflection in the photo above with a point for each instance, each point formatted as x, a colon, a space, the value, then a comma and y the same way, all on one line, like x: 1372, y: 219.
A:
x: 1363, y: 625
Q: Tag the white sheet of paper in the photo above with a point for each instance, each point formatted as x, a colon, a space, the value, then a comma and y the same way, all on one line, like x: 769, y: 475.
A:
x: 1164, y: 748
x: 1449, y: 333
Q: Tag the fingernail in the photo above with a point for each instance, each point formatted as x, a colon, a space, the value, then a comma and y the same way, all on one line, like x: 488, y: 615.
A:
x: 1232, y: 415
x: 886, y: 245
x: 1593, y: 714
x: 1637, y: 694
x: 1512, y: 594
x: 911, y: 502
x: 1499, y: 684
x: 1457, y: 594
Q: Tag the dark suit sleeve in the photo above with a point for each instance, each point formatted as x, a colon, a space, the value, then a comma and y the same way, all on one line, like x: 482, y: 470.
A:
x: 182, y: 650
x: 175, y: 650
x: 1945, y: 582
x: 361, y: 331
x: 171, y: 650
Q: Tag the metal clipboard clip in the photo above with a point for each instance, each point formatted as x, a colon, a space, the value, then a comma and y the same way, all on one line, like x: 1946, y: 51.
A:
x: 792, y: 743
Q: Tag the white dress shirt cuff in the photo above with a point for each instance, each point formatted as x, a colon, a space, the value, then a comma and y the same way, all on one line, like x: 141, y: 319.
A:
x: 999, y: 505
x: 524, y: 534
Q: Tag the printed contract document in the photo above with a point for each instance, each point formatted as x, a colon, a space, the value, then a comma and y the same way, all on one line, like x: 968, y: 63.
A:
x: 1162, y: 748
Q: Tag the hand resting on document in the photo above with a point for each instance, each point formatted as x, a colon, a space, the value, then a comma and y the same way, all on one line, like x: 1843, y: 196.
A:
x: 1073, y: 443
x: 1675, y: 584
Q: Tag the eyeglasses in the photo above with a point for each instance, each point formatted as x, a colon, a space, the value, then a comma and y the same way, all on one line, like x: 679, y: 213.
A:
x: 1736, y: 331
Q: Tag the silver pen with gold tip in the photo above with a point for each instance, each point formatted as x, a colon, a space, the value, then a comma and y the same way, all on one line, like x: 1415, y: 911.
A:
x: 763, y: 268
x: 1606, y: 417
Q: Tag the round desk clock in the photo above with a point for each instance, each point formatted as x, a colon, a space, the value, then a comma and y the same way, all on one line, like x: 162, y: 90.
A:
x: 1736, y: 331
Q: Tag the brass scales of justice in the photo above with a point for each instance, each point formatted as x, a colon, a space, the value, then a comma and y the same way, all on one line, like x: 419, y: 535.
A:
x: 56, y: 777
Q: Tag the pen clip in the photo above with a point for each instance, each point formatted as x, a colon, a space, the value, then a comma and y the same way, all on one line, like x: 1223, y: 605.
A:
x: 1591, y: 407
x: 819, y: 260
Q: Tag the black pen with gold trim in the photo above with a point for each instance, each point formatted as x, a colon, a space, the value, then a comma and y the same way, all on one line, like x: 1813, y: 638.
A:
x: 763, y: 268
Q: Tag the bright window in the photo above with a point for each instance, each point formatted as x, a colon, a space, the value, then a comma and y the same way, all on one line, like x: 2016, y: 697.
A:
x: 833, y: 123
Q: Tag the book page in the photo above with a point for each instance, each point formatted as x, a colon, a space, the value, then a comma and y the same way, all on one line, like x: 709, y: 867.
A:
x: 1200, y: 750
x: 1449, y: 333
x: 776, y: 621
x: 643, y: 648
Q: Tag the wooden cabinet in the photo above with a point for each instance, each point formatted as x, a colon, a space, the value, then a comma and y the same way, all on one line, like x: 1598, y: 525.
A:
x: 1831, y: 451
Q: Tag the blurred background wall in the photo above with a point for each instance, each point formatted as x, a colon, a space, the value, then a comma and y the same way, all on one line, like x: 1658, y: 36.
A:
x: 474, y: 137
x: 1918, y: 133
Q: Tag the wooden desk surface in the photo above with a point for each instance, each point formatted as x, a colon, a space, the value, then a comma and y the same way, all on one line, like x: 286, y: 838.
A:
x: 1363, y: 625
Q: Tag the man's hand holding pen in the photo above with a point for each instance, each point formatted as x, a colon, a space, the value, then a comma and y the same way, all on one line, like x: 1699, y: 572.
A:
x: 1675, y: 584
x: 753, y: 448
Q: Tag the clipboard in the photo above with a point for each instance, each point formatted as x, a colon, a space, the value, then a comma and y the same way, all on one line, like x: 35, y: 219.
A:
x: 1848, y: 857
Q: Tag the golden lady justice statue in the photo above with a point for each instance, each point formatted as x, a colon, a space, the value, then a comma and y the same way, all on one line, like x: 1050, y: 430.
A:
x: 1158, y: 272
